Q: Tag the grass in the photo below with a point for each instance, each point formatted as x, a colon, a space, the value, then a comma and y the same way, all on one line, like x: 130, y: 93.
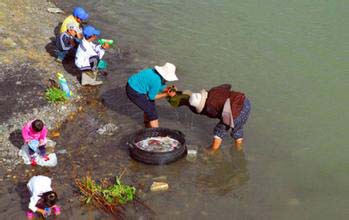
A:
x: 109, y: 197
x: 54, y: 94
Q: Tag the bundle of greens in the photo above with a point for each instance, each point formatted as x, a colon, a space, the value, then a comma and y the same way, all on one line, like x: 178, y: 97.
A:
x: 54, y: 94
x: 106, y: 196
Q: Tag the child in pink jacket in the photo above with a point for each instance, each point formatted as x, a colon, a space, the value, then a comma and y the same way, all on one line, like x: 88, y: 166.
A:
x: 34, y: 135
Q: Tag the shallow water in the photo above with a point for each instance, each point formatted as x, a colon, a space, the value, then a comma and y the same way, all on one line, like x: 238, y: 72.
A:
x: 290, y: 58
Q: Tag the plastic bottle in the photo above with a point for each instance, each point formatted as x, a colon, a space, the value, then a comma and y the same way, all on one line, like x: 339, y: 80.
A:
x: 48, y: 212
x: 103, y: 41
x: 63, y: 84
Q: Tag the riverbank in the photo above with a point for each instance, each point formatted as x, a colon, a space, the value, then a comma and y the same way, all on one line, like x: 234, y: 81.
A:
x: 27, y: 62
x: 83, y: 150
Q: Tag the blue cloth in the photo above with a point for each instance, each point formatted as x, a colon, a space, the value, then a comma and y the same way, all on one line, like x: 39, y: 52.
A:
x: 147, y: 82
x: 221, y: 129
x: 61, y: 54
x: 142, y: 102
x: 33, y: 144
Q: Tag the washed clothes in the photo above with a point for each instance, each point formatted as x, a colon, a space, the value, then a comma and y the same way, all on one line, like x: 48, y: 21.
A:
x: 29, y: 134
x: 85, y: 52
x: 147, y: 82
x: 38, y: 185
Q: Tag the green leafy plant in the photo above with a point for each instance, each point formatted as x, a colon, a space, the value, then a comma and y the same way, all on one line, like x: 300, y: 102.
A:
x: 54, y: 94
x: 105, y: 195
x: 119, y: 192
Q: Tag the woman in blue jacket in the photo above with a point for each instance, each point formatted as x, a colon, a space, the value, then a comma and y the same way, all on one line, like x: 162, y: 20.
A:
x: 144, y: 87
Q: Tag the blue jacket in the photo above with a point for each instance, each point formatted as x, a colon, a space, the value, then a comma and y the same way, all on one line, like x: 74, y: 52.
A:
x: 148, y: 82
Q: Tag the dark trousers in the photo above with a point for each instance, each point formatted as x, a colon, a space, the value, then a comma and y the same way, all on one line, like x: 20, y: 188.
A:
x: 142, y: 101
x: 42, y: 150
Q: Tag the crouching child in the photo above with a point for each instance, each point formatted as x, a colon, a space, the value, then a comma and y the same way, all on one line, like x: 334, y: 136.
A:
x: 34, y: 134
x: 89, y: 55
x: 66, y: 41
x: 43, y: 199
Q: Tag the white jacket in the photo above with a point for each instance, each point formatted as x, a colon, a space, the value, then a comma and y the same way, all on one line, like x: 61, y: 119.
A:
x: 85, y: 51
x: 38, y: 185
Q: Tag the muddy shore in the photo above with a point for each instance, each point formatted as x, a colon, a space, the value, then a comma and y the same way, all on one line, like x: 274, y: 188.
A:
x: 27, y: 62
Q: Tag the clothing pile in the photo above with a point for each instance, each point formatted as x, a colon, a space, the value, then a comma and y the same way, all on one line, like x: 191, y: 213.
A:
x: 158, y: 144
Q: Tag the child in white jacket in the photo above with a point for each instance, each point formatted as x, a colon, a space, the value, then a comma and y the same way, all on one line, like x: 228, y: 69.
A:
x: 89, y: 55
x: 43, y: 198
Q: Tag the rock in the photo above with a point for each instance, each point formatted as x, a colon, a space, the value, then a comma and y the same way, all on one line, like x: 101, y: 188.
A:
x: 63, y: 151
x: 293, y: 202
x: 204, y: 213
x: 8, y: 42
x: 18, y: 83
x: 159, y: 186
x: 107, y: 129
x: 55, y: 10
x: 51, y: 143
x: 55, y: 134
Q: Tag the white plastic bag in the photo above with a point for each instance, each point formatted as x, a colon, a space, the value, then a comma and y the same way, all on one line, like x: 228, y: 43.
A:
x: 24, y: 153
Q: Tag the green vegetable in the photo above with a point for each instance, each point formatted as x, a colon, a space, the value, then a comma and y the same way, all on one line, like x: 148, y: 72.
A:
x: 54, y: 94
x: 120, y: 192
x: 117, y: 193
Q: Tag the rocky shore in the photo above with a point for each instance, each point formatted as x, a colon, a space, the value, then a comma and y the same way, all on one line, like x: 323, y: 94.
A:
x: 27, y: 62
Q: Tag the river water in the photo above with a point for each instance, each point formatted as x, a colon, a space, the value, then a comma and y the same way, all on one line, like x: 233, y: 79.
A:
x: 291, y: 60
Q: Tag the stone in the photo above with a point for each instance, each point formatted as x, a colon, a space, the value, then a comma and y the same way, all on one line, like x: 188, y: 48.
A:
x: 55, y: 10
x: 63, y: 151
x: 107, y: 129
x: 55, y: 134
x: 8, y: 42
x: 159, y: 186
x: 293, y: 202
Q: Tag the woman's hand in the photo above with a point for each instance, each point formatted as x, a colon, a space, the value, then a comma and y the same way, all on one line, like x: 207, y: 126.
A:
x: 171, y: 93
x: 171, y: 90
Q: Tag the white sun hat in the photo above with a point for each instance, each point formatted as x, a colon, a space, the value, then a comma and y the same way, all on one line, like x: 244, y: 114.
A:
x: 167, y: 71
x: 198, y: 100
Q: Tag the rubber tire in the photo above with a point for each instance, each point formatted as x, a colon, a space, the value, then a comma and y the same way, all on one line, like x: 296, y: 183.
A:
x: 157, y: 158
